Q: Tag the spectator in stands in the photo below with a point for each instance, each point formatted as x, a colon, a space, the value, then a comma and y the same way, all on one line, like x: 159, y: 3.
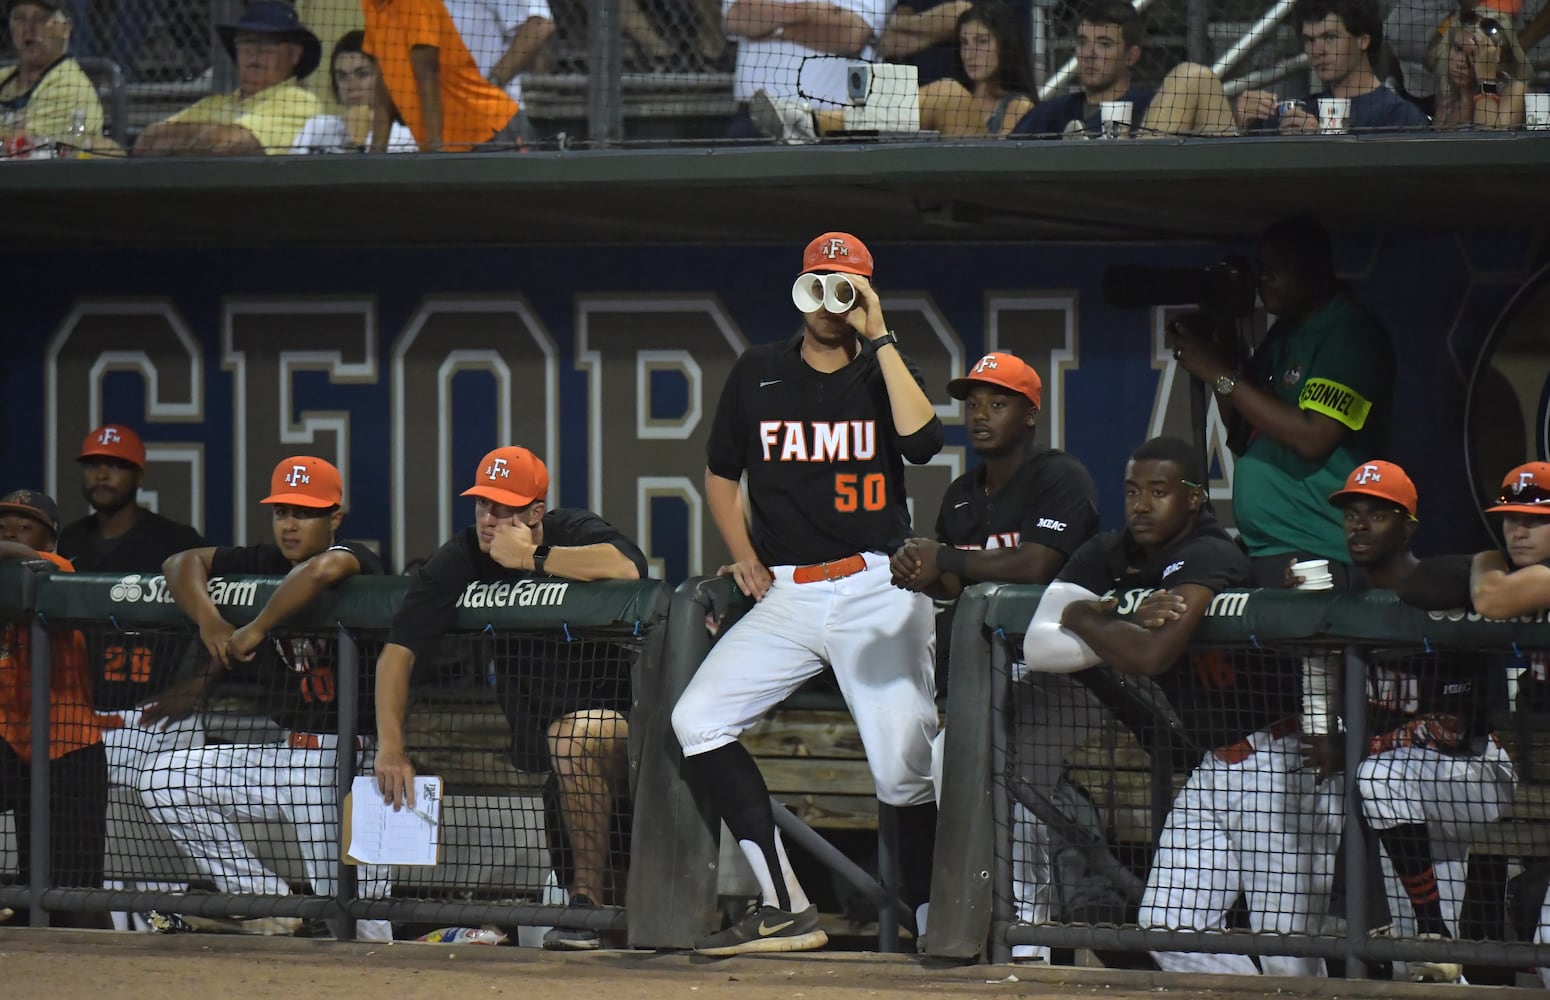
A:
x: 929, y: 39
x: 797, y: 49
x: 201, y: 794
x: 1240, y: 825
x: 516, y: 537
x: 353, y: 77
x: 1343, y: 39
x: 1412, y: 29
x: 41, y: 96
x: 1312, y: 399
x: 1486, y: 69
x: 1016, y: 518
x: 1190, y: 99
x: 997, y: 89
x: 120, y: 536
x: 505, y: 37
x: 426, y: 72
x: 77, y: 765
x: 272, y: 50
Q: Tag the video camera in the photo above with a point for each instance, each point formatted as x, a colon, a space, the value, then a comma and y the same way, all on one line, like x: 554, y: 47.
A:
x: 1223, y: 294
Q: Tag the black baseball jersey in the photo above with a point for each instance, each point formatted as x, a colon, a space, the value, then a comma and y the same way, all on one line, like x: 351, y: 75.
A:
x: 1453, y: 689
x: 298, y: 674
x: 1220, y: 697
x: 825, y: 464
x: 128, y: 667
x: 538, y: 678
x: 1050, y: 500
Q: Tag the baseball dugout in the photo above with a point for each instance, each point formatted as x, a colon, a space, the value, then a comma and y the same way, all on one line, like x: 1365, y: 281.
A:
x: 240, y: 801
x: 1091, y: 812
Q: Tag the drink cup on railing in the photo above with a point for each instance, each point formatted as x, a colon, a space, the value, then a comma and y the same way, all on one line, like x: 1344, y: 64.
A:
x: 1334, y: 115
x: 1536, y: 111
x: 1117, y: 117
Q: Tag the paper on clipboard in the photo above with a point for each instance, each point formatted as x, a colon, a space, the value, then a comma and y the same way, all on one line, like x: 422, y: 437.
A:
x: 377, y: 835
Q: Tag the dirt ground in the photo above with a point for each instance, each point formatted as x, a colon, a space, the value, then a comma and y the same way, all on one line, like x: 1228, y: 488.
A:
x: 43, y: 965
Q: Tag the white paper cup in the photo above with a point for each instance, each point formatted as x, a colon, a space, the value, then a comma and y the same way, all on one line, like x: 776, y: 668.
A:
x: 1313, y: 574
x: 1536, y: 111
x: 833, y: 292
x: 1117, y: 117
x: 1334, y: 113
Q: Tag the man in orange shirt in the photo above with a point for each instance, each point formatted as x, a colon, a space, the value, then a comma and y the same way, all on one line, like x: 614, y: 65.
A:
x: 427, y: 73
x: 78, y: 764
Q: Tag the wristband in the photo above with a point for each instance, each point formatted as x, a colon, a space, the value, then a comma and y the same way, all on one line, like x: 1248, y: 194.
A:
x: 881, y: 342
x: 951, y: 559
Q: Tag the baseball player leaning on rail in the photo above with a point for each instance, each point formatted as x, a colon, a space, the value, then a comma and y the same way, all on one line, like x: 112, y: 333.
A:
x: 821, y: 423
x: 201, y: 794
x: 516, y: 536
x: 1237, y: 826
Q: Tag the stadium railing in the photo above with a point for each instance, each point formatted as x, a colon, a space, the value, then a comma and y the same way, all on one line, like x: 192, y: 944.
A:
x: 1113, y: 823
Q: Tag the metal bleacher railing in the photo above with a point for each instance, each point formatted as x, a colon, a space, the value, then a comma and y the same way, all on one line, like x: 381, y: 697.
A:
x: 1125, y: 785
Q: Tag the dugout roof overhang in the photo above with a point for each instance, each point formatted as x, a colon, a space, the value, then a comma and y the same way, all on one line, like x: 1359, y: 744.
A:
x: 1105, y: 191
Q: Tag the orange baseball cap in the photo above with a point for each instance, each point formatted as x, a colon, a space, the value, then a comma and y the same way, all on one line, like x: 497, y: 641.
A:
x: 1526, y: 490
x: 1004, y: 369
x: 837, y: 252
x: 114, y: 441
x: 512, y: 476
x: 305, y: 481
x: 1382, y: 480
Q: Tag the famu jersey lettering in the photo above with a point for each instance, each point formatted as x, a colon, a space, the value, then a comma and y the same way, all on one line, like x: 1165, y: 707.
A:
x: 825, y: 466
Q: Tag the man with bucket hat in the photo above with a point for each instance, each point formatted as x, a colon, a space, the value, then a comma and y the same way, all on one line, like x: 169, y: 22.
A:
x: 576, y: 699
x: 272, y: 50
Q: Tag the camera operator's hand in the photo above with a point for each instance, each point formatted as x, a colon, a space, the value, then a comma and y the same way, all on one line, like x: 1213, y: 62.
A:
x: 1196, y: 354
x: 867, y: 317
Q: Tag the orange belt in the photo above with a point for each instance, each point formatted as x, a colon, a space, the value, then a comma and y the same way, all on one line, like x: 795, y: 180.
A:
x: 839, y: 569
x: 311, y: 741
x: 1235, y: 753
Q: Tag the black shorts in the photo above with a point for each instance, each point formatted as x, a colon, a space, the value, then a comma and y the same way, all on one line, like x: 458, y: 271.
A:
x: 78, y: 814
x: 556, y: 680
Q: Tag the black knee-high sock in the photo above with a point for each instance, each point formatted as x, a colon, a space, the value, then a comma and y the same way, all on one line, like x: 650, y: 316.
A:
x: 917, y: 847
x: 1410, y: 849
x: 730, y: 776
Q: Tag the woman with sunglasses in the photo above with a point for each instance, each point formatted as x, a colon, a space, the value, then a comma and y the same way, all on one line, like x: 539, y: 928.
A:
x: 353, y: 81
x: 1484, y: 67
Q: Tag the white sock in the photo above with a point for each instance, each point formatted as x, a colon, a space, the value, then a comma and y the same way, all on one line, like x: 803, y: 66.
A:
x: 761, y: 871
x: 799, y: 901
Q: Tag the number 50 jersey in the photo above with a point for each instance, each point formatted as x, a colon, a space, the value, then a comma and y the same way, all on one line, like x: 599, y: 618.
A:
x: 825, y: 464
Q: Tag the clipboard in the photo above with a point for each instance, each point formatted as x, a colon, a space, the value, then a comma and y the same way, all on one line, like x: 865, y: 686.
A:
x: 429, y: 799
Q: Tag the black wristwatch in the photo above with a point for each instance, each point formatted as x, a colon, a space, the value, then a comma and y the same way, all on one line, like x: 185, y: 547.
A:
x: 1490, y: 87
x: 540, y: 555
x: 881, y: 342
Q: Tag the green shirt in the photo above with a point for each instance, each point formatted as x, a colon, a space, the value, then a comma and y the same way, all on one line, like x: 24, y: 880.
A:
x: 1338, y: 363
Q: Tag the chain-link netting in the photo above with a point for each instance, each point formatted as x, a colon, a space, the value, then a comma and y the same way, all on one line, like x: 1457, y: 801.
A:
x: 336, y: 76
x: 228, y: 780
x: 1212, y: 799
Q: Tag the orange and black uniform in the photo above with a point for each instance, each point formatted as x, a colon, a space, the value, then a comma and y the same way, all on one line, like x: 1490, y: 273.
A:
x: 78, y: 766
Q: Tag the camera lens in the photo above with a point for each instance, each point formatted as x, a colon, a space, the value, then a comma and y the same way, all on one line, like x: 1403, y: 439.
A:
x: 855, y: 80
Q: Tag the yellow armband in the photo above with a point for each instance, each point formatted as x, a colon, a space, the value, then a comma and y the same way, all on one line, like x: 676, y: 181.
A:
x: 1338, y: 402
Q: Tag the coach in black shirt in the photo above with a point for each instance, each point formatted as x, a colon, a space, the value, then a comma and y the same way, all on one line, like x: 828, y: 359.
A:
x: 516, y: 537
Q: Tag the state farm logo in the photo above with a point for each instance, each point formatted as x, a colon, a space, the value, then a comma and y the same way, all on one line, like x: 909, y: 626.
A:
x: 138, y: 589
x: 523, y: 593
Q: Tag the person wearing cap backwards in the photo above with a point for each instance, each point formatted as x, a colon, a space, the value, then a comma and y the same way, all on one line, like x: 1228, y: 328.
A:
x: 77, y: 766
x: 201, y: 794
x: 120, y: 536
x: 273, y: 50
x: 40, y: 95
x: 1432, y: 774
x: 821, y: 424
x: 1016, y: 518
x: 516, y: 536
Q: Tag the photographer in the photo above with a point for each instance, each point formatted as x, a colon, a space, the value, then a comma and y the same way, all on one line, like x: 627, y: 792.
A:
x: 1307, y: 406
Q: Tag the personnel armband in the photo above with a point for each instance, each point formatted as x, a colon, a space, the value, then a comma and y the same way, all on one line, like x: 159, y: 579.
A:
x: 1340, y: 403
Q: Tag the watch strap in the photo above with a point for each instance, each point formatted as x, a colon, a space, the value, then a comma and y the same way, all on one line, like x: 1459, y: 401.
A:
x: 879, y: 343
x: 540, y: 556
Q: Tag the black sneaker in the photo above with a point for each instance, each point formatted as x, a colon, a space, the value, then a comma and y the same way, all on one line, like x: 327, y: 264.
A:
x: 767, y: 929
x: 573, y: 938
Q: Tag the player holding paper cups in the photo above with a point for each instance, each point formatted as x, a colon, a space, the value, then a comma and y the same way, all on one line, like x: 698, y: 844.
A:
x: 821, y: 425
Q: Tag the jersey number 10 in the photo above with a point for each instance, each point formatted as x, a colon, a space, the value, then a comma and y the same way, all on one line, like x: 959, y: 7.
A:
x: 873, y: 494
